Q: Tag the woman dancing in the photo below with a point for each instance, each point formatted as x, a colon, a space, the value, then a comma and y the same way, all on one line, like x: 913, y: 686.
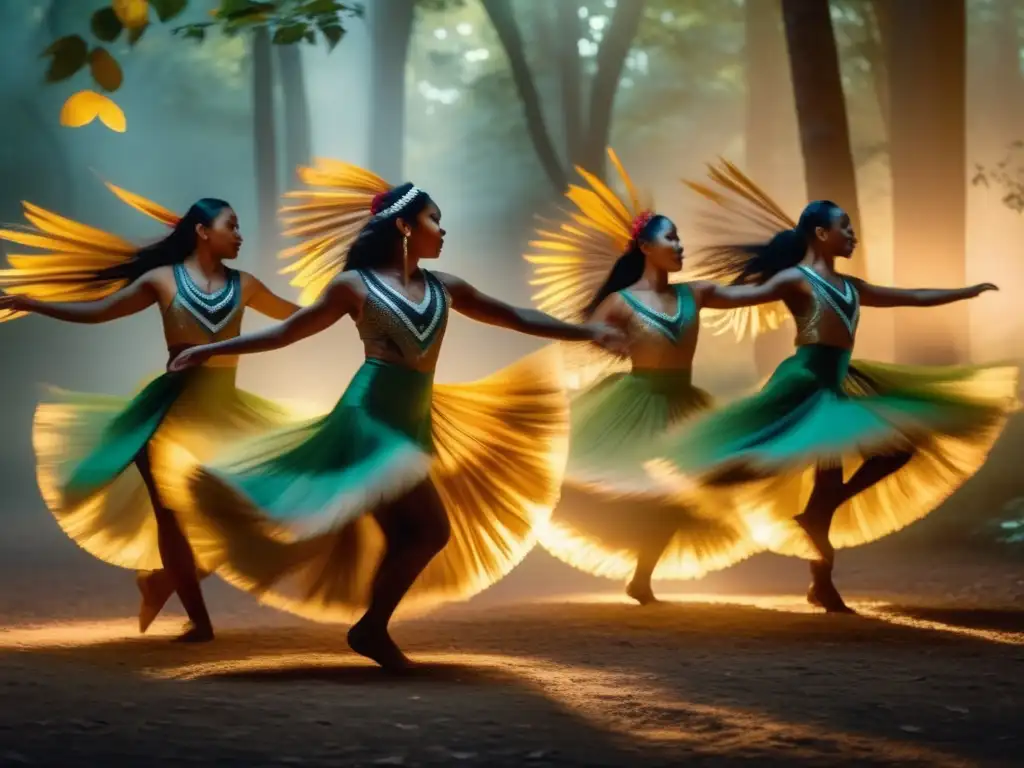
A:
x: 455, y: 478
x: 109, y: 468
x: 864, y: 448
x: 613, y: 263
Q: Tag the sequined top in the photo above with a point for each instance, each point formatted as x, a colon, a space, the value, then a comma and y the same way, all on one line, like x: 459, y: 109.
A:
x: 659, y: 339
x: 394, y: 328
x: 825, y: 297
x: 195, y: 317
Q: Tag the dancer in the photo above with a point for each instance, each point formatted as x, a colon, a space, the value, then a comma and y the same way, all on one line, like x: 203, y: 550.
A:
x: 110, y: 469
x: 613, y: 263
x: 455, y: 478
x: 905, y: 437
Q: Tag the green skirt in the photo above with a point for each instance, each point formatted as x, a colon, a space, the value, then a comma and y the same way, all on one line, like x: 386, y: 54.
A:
x: 291, y: 511
x: 818, y: 408
x: 86, y: 446
x: 609, y: 512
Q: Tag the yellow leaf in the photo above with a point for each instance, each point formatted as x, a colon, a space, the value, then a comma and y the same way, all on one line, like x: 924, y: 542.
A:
x: 85, y: 106
x: 132, y: 13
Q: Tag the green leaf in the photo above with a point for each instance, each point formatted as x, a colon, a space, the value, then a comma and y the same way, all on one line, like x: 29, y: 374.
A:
x: 105, y: 25
x: 237, y: 10
x: 290, y: 34
x: 168, y: 9
x: 105, y: 70
x: 69, y: 55
x: 333, y: 33
x: 134, y: 35
x: 311, y: 37
x: 313, y: 7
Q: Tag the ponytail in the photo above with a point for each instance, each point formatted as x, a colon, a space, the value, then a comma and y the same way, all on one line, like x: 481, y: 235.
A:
x: 629, y: 267
x: 173, y: 249
x: 757, y: 263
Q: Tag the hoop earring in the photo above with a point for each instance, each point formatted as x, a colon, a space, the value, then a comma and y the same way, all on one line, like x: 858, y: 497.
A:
x: 405, y: 260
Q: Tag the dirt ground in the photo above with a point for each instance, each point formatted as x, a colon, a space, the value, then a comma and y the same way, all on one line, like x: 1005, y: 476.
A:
x: 931, y: 673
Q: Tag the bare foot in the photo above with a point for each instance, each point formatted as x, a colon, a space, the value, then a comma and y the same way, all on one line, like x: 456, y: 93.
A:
x: 195, y: 634
x: 156, y: 589
x: 377, y: 645
x: 642, y: 594
x: 825, y: 594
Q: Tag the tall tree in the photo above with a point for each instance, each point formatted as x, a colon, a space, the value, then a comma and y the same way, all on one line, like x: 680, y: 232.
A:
x: 391, y: 23
x: 928, y: 150
x: 610, y: 60
x: 265, y: 143
x: 771, y: 135
x: 821, y: 107
x: 298, y: 138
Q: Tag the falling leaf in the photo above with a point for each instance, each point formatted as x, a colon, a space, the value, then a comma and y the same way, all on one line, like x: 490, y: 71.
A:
x: 135, y: 34
x: 105, y: 70
x: 85, y: 106
x: 105, y: 25
x: 910, y: 729
x: 133, y: 14
x: 69, y: 55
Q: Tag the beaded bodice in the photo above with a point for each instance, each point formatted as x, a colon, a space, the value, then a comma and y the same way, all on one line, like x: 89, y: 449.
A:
x: 405, y: 331
x: 843, y: 304
x: 660, y: 336
x: 197, y: 317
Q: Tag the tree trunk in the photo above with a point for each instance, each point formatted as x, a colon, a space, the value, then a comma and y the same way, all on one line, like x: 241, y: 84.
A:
x: 391, y: 23
x: 611, y: 57
x: 298, y: 139
x: 821, y: 108
x: 504, y: 22
x: 265, y: 144
x: 770, y: 130
x: 929, y: 167
x: 570, y: 79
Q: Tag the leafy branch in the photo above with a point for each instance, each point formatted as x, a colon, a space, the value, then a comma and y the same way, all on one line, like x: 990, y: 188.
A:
x: 288, y: 21
x: 1006, y: 175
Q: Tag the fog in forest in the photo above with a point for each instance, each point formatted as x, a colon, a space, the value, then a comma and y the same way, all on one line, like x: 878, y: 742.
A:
x: 488, y: 104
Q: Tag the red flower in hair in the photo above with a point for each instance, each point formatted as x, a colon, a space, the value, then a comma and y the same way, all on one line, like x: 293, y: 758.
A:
x: 641, y: 221
x: 377, y: 203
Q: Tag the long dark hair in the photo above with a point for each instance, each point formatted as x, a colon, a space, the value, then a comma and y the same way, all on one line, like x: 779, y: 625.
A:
x: 173, y: 249
x: 378, y: 239
x: 75, y: 276
x: 629, y: 267
x: 757, y: 263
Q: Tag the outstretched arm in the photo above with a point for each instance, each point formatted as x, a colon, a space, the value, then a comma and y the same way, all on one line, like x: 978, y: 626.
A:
x: 885, y: 296
x: 128, y: 301
x: 334, y: 303
x: 470, y: 302
x: 268, y: 303
x: 715, y: 296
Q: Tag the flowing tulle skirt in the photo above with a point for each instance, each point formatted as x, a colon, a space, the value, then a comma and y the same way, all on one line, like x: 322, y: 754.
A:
x: 610, y: 510
x: 819, y: 408
x: 289, y: 514
x: 86, y: 446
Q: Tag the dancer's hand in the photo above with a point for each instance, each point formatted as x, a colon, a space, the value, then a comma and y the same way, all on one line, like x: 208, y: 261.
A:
x: 977, y: 290
x: 609, y: 338
x: 12, y: 303
x: 190, y: 358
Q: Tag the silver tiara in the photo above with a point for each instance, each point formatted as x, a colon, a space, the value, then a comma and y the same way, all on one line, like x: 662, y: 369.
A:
x: 398, y: 205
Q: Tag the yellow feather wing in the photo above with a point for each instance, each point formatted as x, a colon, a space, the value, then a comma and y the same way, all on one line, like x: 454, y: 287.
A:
x: 68, y: 254
x: 326, y: 219
x: 571, y: 258
x: 744, y: 213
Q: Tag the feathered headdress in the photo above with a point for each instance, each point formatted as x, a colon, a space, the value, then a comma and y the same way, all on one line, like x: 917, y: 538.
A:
x: 328, y: 220
x: 572, y: 258
x: 71, y: 254
x: 748, y: 215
